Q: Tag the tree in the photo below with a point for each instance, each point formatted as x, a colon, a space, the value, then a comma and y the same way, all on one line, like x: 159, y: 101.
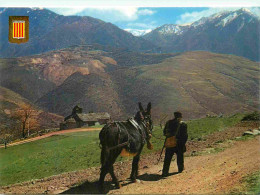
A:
x: 5, y: 137
x: 27, y: 116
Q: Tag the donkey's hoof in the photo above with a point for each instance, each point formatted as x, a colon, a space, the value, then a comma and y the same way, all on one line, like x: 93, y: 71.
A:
x: 101, y: 189
x: 133, y: 180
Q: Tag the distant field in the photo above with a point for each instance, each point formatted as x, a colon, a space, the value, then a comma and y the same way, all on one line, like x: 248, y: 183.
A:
x: 76, y: 151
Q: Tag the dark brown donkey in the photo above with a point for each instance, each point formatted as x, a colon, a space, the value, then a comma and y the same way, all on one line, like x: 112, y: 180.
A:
x: 126, y: 136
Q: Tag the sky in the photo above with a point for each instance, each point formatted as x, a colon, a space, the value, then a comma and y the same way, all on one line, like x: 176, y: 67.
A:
x: 146, y: 18
x: 138, y: 14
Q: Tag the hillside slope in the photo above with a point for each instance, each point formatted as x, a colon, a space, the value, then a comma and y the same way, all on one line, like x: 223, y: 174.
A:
x: 197, y: 83
x: 11, y: 101
x: 34, y: 76
x: 23, y: 79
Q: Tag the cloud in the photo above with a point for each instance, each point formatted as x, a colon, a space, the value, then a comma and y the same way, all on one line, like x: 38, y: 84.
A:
x: 66, y: 11
x: 146, y: 12
x: 107, y: 14
x: 143, y: 26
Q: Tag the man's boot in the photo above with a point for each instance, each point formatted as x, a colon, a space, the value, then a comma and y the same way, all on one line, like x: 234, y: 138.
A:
x: 166, y: 167
x: 180, y: 169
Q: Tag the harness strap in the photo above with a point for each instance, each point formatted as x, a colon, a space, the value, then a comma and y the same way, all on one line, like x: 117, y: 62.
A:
x: 118, y: 146
x: 119, y: 131
x: 136, y: 125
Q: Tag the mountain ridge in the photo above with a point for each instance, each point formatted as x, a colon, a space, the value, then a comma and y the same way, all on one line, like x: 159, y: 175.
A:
x: 197, y: 83
x: 230, y: 32
x: 50, y: 31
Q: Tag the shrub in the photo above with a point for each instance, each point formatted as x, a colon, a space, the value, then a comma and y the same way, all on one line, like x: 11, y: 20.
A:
x: 255, y: 116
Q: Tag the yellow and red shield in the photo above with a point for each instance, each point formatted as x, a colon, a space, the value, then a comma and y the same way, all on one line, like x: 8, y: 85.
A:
x: 18, y: 29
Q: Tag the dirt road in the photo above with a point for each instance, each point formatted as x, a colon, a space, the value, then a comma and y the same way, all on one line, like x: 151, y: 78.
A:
x: 51, y: 134
x: 210, y: 173
x: 217, y: 173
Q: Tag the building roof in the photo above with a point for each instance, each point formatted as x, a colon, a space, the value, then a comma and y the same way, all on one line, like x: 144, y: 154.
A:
x: 71, y: 120
x: 93, y: 116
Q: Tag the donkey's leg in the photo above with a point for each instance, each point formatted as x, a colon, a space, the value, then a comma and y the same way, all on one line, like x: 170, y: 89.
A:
x: 107, y: 167
x: 134, y: 172
x: 104, y: 171
x: 104, y: 168
x: 112, y: 159
x: 114, y: 179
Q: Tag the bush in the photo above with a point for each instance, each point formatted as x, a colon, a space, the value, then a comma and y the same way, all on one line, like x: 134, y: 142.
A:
x: 255, y: 116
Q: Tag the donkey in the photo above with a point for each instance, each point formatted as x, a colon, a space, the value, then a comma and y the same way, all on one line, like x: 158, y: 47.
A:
x: 118, y: 137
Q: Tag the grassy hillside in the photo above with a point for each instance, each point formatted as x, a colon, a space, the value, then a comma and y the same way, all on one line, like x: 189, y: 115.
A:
x: 105, y: 79
x: 196, y: 83
x: 23, y: 79
x: 76, y: 151
x: 34, y: 76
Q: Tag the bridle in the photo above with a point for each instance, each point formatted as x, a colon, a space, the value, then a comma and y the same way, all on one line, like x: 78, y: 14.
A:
x: 148, y: 125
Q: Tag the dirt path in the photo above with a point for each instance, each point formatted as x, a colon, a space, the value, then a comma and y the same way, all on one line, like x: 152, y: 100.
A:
x: 210, y: 173
x: 51, y: 134
x: 216, y: 173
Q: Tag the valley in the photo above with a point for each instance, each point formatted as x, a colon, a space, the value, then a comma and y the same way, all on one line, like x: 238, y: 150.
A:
x: 198, y: 83
x: 208, y: 69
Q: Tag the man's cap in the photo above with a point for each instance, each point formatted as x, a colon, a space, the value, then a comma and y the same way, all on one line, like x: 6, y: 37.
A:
x: 177, y: 114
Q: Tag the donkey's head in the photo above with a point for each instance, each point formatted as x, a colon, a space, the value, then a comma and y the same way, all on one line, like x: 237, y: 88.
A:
x: 145, y: 115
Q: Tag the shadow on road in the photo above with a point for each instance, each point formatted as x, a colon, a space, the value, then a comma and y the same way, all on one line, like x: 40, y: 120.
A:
x: 89, y: 188
x: 93, y: 188
x: 153, y: 177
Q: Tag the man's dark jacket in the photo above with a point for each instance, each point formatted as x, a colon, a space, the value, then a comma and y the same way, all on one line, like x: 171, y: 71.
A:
x: 182, y: 135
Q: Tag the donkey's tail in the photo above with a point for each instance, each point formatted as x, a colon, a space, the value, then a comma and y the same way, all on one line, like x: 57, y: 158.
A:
x: 102, y: 136
x: 103, y: 144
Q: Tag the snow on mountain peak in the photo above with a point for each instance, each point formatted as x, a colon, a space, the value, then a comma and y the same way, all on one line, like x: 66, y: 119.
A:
x: 171, y: 29
x: 223, y: 18
x: 199, y: 22
x: 138, y: 32
x: 228, y: 19
x: 245, y: 10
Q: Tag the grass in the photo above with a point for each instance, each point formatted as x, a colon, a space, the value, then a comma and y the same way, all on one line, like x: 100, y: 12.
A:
x: 50, y: 156
x: 253, y: 183
x: 244, y: 138
x: 77, y: 151
x: 198, y: 129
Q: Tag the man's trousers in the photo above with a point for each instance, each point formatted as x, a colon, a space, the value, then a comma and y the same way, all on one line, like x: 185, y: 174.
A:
x: 168, y: 157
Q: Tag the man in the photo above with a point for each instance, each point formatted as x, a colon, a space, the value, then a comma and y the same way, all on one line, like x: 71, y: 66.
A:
x: 178, y: 128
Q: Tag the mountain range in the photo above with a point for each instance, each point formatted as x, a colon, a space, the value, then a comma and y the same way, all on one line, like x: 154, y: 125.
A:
x: 99, y: 79
x: 50, y: 31
x: 73, y: 60
x: 231, y: 32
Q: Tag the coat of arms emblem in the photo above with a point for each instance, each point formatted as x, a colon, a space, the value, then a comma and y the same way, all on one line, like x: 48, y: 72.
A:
x: 18, y: 29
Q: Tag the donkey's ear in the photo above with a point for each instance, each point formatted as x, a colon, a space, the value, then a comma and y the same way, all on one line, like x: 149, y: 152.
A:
x: 140, y: 106
x: 149, y: 106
